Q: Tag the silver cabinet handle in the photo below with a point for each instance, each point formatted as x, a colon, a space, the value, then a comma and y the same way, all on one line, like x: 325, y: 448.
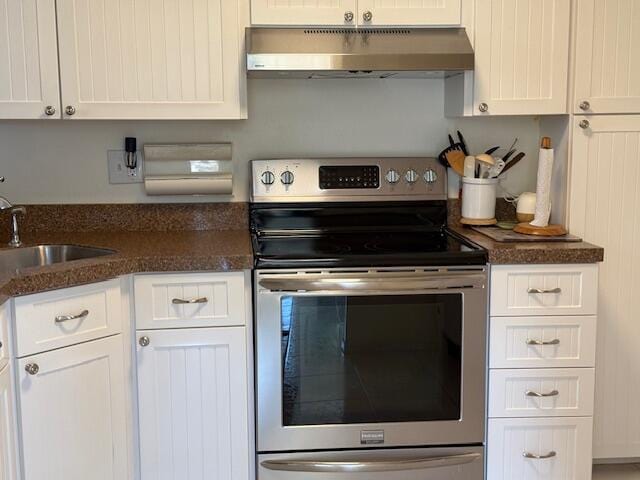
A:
x: 584, y: 105
x: 32, y: 368
x: 551, y: 454
x: 483, y: 107
x: 70, y: 110
x: 369, y: 465
x: 584, y: 124
x: 144, y: 341
x: 49, y: 110
x: 552, y: 393
x: 66, y: 318
x: 367, y: 16
x: 181, y: 301
x: 544, y: 290
x: 555, y: 341
x: 348, y: 17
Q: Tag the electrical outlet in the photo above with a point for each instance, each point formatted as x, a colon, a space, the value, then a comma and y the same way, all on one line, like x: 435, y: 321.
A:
x: 118, y: 171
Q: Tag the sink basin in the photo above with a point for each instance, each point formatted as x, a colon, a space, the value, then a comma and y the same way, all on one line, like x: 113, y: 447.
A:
x: 41, y: 255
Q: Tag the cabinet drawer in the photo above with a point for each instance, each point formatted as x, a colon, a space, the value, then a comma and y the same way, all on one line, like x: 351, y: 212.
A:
x: 5, y: 318
x: 565, y: 442
x: 553, y: 392
x: 540, y: 342
x: 544, y: 290
x: 190, y: 300
x: 55, y: 319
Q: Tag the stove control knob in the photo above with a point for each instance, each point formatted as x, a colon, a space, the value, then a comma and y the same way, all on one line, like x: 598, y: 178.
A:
x: 411, y: 176
x: 267, y: 178
x: 392, y: 176
x: 430, y: 176
x: 287, y: 177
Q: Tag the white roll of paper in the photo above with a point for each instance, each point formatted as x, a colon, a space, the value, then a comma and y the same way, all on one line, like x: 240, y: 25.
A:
x: 207, y: 185
x: 543, y: 188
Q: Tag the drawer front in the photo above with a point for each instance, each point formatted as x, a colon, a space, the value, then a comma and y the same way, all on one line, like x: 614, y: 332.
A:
x: 59, y: 318
x: 553, y: 392
x: 190, y: 300
x: 541, y: 342
x: 564, y: 444
x: 544, y: 290
x: 5, y: 318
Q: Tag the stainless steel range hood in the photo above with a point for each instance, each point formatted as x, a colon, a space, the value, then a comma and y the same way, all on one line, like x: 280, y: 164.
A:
x: 356, y: 53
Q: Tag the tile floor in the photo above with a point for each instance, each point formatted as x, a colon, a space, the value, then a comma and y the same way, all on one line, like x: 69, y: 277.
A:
x: 617, y: 472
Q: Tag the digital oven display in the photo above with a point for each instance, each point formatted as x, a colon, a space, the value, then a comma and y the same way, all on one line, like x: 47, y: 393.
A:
x: 347, y: 176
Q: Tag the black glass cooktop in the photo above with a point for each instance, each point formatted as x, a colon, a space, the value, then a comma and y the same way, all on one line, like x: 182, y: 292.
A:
x: 365, y: 249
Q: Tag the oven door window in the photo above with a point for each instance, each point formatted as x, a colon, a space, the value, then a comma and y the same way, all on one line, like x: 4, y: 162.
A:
x: 371, y: 359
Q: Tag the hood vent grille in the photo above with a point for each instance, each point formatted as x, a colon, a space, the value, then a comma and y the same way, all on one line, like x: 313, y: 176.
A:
x: 360, y: 31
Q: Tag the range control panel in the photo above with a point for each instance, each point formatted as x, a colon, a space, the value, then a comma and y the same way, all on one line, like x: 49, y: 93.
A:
x: 348, y: 179
x: 349, y: 176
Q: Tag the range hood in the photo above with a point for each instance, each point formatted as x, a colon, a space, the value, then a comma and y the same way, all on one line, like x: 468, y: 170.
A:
x: 356, y: 53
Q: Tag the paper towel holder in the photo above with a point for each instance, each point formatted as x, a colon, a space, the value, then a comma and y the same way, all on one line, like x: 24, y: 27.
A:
x: 188, y: 169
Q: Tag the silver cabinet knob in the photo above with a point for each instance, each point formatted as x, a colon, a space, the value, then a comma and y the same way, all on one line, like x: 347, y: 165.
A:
x: 267, y: 178
x: 430, y: 176
x: 144, y: 341
x: 32, y: 368
x: 483, y: 107
x: 348, y: 17
x: 584, y: 124
x: 287, y: 177
x: 584, y: 105
x: 411, y: 176
x: 367, y: 16
x: 50, y: 110
x: 70, y: 110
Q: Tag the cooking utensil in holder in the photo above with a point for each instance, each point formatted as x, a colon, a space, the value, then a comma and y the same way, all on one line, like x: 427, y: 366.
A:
x: 479, y: 201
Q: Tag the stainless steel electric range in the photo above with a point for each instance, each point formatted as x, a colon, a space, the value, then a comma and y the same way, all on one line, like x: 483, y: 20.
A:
x: 371, y: 323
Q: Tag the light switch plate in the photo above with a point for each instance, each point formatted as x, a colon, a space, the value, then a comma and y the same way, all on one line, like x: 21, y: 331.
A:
x: 119, y: 173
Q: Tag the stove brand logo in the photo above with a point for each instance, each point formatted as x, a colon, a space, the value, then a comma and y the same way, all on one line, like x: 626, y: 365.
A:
x: 371, y: 437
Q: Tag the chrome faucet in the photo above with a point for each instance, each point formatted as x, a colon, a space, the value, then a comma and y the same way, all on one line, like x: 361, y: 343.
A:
x: 15, y: 235
x: 4, y: 203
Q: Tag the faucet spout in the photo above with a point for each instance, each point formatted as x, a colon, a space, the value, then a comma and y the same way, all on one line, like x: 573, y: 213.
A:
x: 4, y: 203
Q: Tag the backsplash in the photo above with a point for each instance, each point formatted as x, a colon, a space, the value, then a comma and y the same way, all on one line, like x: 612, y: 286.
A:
x: 66, y: 161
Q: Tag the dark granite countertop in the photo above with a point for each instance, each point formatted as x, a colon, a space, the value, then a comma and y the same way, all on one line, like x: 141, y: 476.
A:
x: 135, y: 252
x: 514, y: 253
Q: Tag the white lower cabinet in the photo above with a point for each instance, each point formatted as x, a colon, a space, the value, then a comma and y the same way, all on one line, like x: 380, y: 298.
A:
x: 8, y: 452
x: 72, y: 412
x: 539, y: 448
x: 193, y: 404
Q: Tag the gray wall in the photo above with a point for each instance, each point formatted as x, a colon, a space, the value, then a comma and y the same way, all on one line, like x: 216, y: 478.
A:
x: 65, y: 161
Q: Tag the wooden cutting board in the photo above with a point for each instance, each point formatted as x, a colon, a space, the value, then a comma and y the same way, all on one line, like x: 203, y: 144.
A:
x: 501, y: 235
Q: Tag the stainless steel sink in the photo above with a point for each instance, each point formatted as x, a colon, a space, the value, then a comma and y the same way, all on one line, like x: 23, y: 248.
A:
x: 41, y: 255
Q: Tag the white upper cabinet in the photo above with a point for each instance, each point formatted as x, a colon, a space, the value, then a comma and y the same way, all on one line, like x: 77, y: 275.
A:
x: 73, y: 412
x: 28, y: 59
x: 142, y: 59
x: 522, y: 56
x: 607, y: 57
x: 356, y: 12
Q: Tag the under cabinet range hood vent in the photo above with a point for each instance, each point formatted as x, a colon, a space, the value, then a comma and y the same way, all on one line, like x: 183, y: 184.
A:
x: 357, y: 53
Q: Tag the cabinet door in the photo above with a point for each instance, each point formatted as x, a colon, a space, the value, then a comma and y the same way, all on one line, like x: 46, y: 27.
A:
x: 408, y: 12
x: 193, y: 407
x: 603, y: 208
x: 144, y: 59
x: 73, y: 413
x: 28, y: 59
x: 607, y: 57
x: 8, y: 454
x: 522, y: 56
x: 298, y: 12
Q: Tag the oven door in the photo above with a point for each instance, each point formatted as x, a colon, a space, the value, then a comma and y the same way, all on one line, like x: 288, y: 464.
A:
x: 371, y: 358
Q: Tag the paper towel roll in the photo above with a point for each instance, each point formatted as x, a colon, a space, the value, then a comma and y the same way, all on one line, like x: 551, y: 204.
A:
x: 543, y: 188
x: 220, y: 184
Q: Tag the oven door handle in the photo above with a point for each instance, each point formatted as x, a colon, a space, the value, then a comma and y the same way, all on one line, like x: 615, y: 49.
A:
x: 373, y: 284
x: 313, y: 466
